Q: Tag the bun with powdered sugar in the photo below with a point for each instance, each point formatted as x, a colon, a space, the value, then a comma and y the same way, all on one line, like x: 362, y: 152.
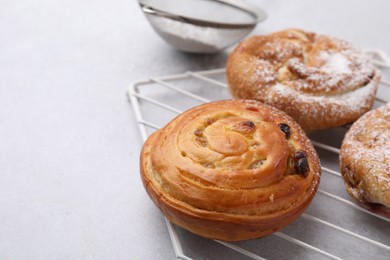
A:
x: 365, y: 160
x: 320, y: 81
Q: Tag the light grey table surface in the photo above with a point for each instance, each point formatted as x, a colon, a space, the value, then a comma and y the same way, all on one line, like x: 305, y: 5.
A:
x: 69, y: 144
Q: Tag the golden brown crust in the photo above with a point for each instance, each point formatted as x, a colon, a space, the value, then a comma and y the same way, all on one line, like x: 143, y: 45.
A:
x: 226, y: 170
x: 365, y: 160
x: 318, y: 80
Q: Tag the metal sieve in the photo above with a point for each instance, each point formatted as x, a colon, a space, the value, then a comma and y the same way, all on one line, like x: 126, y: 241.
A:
x: 202, y: 26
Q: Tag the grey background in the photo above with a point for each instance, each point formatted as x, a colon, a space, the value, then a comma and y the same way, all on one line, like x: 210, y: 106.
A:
x: 69, y: 144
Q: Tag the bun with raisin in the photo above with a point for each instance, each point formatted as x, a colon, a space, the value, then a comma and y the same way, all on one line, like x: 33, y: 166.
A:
x: 365, y: 160
x: 231, y: 170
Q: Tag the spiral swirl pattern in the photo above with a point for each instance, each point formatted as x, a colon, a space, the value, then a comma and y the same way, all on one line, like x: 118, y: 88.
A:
x: 227, y: 170
x: 318, y: 80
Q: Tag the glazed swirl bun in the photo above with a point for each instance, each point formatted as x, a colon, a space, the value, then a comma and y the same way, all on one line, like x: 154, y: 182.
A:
x: 365, y: 160
x: 231, y: 170
x: 318, y: 80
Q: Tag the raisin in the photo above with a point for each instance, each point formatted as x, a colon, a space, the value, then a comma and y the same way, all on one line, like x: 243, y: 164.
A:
x: 301, y: 165
x: 244, y: 127
x: 210, y: 121
x: 201, y: 141
x: 209, y: 165
x: 256, y: 164
x: 248, y: 124
x: 252, y: 109
x: 285, y: 128
x: 198, y: 133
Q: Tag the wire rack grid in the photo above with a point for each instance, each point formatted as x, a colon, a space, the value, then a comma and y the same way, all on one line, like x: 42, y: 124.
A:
x: 348, y: 231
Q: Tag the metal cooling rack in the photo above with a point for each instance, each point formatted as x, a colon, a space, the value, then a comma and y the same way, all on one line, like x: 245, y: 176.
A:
x: 332, y: 227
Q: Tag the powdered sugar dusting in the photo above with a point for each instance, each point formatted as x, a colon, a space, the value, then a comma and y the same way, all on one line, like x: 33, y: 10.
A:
x: 334, y: 105
x: 325, y: 66
x: 263, y: 72
x: 313, y: 78
x: 332, y: 73
x: 280, y: 51
x: 367, y: 145
x: 335, y: 62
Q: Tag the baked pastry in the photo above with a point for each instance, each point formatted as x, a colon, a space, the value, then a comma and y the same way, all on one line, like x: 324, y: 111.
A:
x: 231, y: 170
x: 318, y: 80
x: 365, y: 160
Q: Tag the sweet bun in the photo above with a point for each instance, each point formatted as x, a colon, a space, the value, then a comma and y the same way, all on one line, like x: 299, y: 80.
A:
x: 231, y: 170
x: 365, y: 160
x: 318, y: 80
